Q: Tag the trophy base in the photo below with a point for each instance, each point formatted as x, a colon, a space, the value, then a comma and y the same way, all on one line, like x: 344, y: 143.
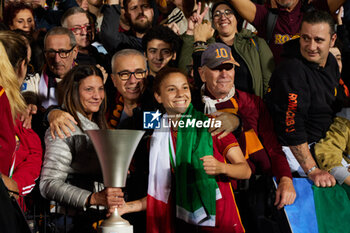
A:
x: 116, y: 229
x: 115, y: 224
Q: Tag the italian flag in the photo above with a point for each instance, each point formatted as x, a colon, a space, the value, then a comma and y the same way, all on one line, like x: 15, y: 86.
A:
x: 196, y: 192
x: 319, y: 210
x: 159, y: 184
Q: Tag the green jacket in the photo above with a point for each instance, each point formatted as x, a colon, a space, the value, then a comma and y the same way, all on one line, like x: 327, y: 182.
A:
x: 253, y: 50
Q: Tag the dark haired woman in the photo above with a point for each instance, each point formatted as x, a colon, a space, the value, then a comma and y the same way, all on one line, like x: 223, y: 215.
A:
x: 19, y: 15
x: 71, y: 174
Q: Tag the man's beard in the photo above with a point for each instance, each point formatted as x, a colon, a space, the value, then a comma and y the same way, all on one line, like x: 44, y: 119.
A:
x: 141, y: 27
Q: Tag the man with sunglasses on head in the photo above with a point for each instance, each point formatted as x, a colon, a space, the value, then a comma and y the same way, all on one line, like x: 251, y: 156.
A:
x: 77, y: 21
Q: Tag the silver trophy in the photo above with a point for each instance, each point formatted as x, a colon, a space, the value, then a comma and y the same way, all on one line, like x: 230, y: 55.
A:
x: 115, y: 149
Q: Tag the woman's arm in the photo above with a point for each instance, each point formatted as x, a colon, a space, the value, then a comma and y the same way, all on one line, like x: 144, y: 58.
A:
x: 53, y: 186
x: 28, y: 159
x: 132, y: 206
x: 237, y: 169
x: 56, y: 167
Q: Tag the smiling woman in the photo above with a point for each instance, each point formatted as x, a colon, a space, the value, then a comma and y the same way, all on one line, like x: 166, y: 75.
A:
x: 250, y: 51
x: 72, y: 177
x: 84, y: 94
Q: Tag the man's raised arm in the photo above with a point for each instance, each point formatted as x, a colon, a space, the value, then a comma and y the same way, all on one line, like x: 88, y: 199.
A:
x: 332, y: 4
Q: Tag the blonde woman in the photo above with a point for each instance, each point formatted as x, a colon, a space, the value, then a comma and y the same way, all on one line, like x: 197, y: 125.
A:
x: 11, y: 104
x: 21, y: 163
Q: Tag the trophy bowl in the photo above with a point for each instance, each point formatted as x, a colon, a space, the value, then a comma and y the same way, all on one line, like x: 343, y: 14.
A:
x: 115, y: 149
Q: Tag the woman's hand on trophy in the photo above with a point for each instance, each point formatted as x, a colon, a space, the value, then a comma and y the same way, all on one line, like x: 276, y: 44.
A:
x: 122, y: 209
x: 130, y: 207
x: 109, y: 197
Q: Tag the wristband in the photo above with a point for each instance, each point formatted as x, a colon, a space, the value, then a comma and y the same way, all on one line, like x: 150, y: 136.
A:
x: 200, y: 46
x: 200, y: 43
x: 311, y: 169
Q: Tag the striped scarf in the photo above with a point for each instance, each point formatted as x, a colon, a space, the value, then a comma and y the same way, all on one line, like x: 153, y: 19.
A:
x: 115, y: 115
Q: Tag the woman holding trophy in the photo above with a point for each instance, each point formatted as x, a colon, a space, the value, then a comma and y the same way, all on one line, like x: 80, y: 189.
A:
x: 191, y: 172
x: 71, y: 173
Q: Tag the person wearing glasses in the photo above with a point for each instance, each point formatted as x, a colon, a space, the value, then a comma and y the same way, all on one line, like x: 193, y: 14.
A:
x: 77, y: 21
x: 129, y: 72
x: 124, y: 111
x: 60, y: 52
x: 251, y: 52
x: 123, y: 102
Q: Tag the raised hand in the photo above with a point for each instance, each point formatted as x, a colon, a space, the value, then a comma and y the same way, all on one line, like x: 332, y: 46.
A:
x: 196, y: 18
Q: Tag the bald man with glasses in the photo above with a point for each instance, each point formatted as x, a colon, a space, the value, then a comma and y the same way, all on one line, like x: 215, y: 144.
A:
x: 127, y: 101
x: 129, y: 72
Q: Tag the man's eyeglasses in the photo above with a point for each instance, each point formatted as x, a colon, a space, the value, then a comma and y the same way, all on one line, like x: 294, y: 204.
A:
x: 62, y: 53
x: 125, y: 75
x: 79, y: 29
x: 218, y: 14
